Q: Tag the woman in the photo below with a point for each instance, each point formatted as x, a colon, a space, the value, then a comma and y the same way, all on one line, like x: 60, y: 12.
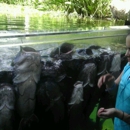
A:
x: 121, y: 112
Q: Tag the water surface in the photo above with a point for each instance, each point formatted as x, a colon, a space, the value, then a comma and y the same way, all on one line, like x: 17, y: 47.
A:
x: 12, y: 25
x: 52, y: 23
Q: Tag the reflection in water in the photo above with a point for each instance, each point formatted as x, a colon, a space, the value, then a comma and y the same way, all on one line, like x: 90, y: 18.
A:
x: 15, y: 24
x: 27, y: 22
x: 48, y: 23
x: 9, y: 23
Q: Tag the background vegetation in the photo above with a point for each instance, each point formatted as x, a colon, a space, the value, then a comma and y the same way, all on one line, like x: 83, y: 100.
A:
x: 84, y: 8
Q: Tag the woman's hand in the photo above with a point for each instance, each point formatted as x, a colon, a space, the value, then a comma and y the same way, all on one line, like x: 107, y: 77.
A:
x: 106, y: 113
x: 106, y: 79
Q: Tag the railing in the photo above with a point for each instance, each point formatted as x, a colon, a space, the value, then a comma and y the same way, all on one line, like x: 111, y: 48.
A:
x: 110, y: 34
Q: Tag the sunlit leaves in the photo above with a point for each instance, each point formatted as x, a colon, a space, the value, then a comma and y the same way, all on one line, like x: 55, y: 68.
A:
x: 94, y: 8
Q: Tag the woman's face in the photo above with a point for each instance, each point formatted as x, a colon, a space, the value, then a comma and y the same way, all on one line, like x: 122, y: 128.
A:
x: 128, y: 48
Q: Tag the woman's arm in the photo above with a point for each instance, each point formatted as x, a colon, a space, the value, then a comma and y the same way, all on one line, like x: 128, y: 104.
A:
x: 113, y: 112
x: 109, y: 81
x: 118, y: 79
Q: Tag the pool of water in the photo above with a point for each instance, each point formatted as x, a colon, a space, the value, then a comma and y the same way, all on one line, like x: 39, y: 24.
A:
x: 50, y: 22
x: 45, y: 32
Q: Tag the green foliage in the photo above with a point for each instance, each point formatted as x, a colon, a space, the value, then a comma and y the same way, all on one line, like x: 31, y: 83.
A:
x: 92, y: 8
